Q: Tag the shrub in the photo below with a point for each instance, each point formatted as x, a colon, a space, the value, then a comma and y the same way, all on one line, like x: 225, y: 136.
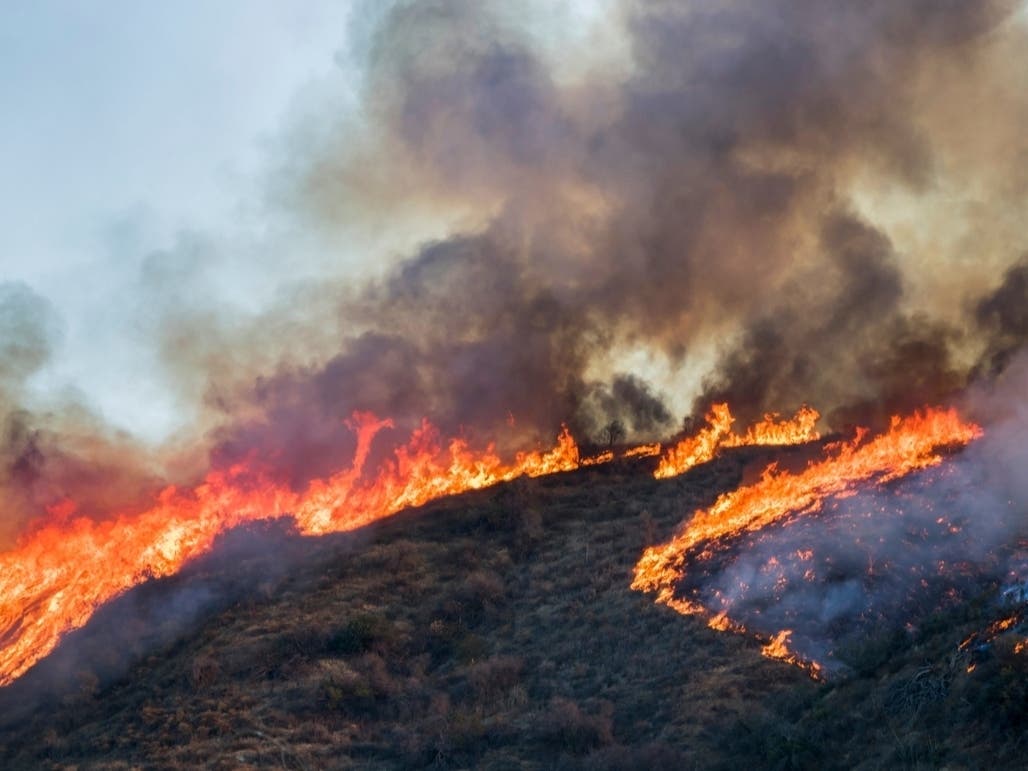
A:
x: 471, y: 648
x: 771, y: 742
x: 361, y: 689
x: 875, y: 651
x: 484, y: 588
x: 528, y: 532
x: 482, y: 591
x: 1003, y: 689
x: 910, y: 694
x: 204, y: 671
x: 648, y: 527
x: 620, y: 758
x: 565, y: 726
x: 492, y: 677
x: 304, y: 642
x: 360, y: 634
x: 401, y: 557
x: 88, y: 683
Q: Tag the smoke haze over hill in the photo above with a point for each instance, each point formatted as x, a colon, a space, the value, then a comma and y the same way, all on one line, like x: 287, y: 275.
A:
x: 769, y: 203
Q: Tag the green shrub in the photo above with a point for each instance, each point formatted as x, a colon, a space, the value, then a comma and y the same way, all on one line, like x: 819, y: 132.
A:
x: 360, y: 634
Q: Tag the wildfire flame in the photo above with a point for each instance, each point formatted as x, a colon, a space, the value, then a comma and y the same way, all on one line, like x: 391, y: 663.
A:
x: 704, y: 445
x: 596, y: 460
x: 911, y: 443
x: 986, y: 637
x: 60, y: 573
x: 644, y: 451
x: 778, y: 648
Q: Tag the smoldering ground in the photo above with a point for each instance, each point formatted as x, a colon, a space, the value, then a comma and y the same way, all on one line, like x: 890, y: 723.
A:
x: 883, y: 561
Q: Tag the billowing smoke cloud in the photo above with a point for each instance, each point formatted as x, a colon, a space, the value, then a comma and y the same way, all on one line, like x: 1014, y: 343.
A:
x: 631, y: 401
x: 853, y: 343
x: 705, y: 193
x: 702, y: 192
x: 1004, y: 314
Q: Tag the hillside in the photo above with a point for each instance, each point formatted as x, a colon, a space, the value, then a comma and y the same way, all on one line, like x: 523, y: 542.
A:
x: 492, y: 630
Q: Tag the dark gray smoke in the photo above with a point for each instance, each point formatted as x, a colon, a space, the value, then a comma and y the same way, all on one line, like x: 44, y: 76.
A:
x: 1004, y: 315
x: 701, y: 197
x: 702, y: 193
x: 631, y: 401
x: 853, y: 341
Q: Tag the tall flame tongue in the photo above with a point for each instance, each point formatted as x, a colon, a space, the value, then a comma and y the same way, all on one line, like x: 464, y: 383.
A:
x: 58, y: 575
x: 911, y: 443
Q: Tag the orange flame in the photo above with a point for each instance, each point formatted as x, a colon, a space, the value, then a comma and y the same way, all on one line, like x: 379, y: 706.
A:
x: 705, y: 443
x: 778, y: 648
x: 58, y: 575
x: 910, y: 444
x: 604, y: 457
x: 988, y: 635
x: 797, y: 430
x: 644, y: 451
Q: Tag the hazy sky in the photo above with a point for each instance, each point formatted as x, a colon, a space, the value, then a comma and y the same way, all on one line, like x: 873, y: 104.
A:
x: 131, y: 128
x: 127, y: 124
x: 136, y: 130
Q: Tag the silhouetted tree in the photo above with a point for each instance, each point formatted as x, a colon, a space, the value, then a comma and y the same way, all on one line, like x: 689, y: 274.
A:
x: 613, y: 432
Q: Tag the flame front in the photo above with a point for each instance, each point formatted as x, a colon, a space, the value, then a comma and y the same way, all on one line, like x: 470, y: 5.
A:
x: 59, y: 574
x: 910, y: 444
x: 778, y: 648
x: 704, y: 445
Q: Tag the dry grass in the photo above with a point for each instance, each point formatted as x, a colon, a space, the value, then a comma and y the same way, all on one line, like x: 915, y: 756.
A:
x: 497, y: 630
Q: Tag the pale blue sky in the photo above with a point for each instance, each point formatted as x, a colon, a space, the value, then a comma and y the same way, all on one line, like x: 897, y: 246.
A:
x: 126, y: 123
x: 130, y: 126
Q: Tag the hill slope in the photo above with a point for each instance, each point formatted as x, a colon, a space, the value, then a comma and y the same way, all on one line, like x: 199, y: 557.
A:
x: 491, y: 630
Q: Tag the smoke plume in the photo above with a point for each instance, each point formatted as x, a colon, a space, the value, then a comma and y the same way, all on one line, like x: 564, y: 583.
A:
x: 772, y: 203
x: 707, y: 194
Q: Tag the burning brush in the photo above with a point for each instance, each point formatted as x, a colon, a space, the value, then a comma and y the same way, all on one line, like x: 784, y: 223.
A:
x: 61, y: 573
x: 808, y: 560
x: 737, y: 564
